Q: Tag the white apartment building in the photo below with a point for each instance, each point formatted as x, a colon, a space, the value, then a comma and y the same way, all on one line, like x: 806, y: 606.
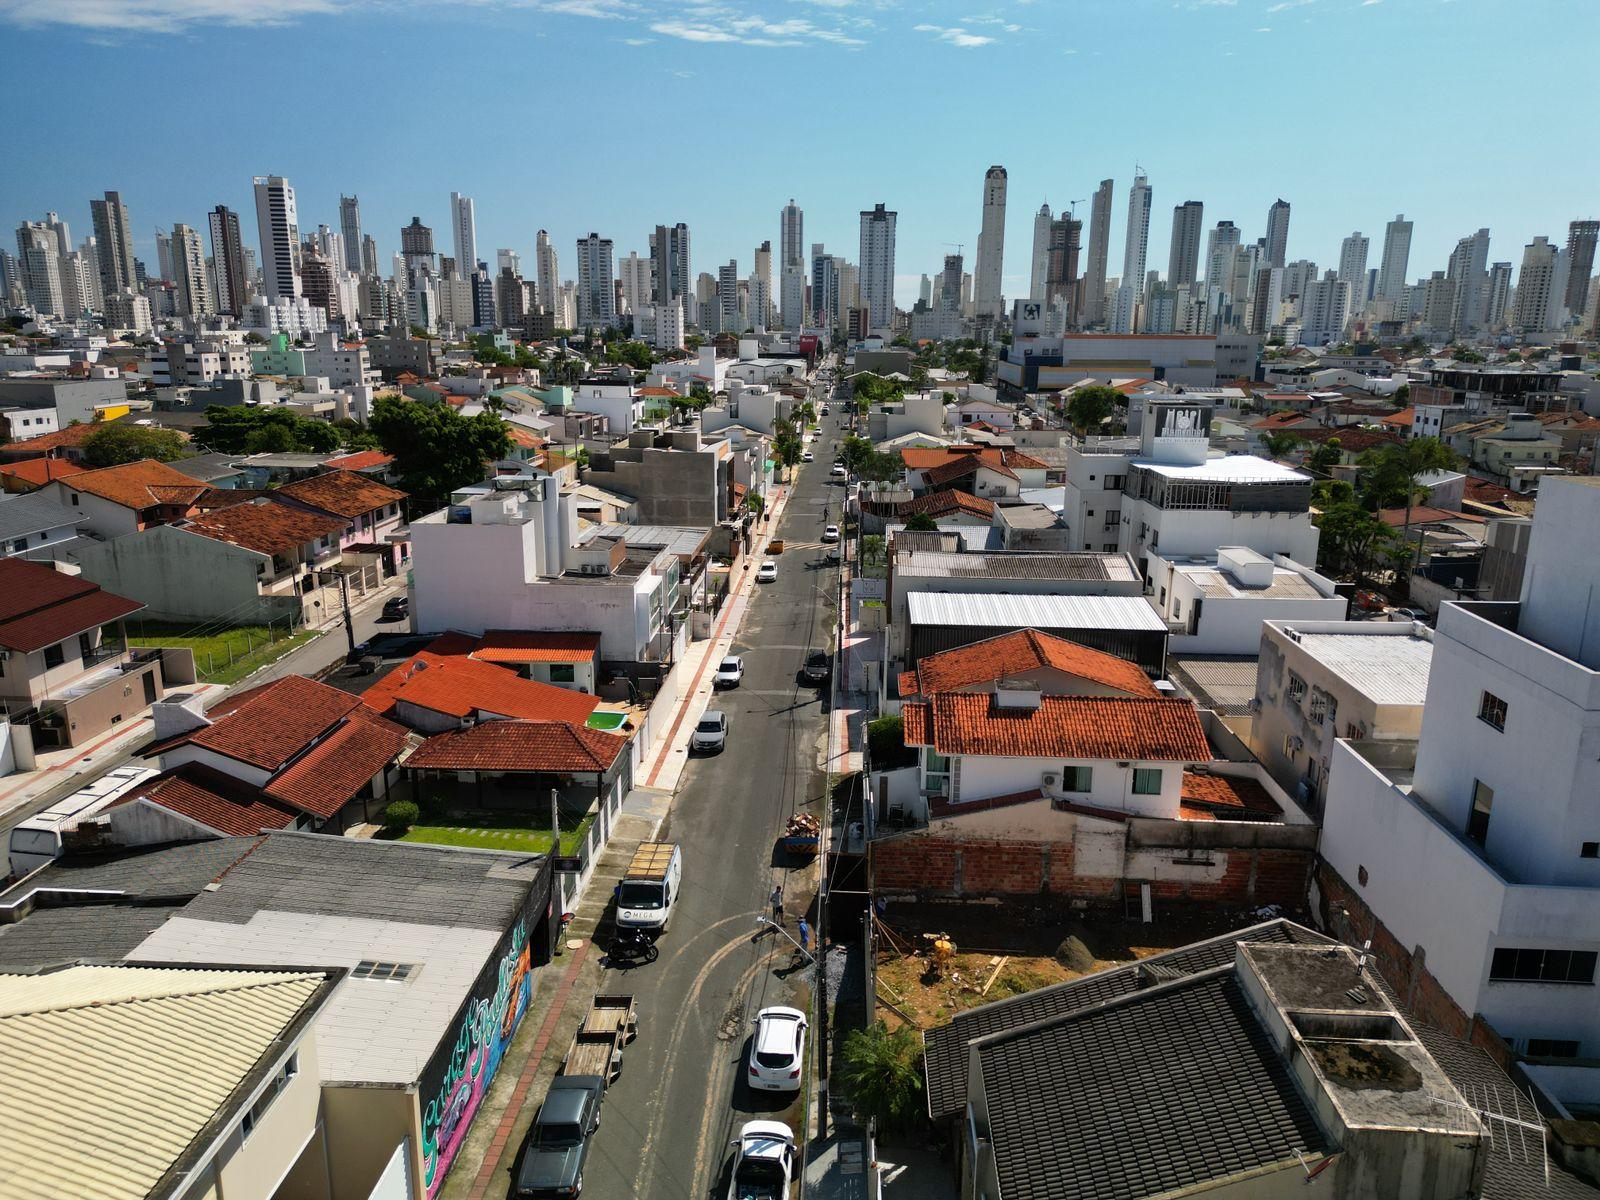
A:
x: 1324, y: 310
x: 1217, y: 603
x: 597, y: 297
x: 1478, y: 846
x: 877, y: 267
x: 343, y: 365
x: 615, y: 399
x: 278, y: 223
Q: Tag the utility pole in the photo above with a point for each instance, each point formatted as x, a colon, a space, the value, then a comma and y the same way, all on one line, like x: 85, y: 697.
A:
x: 555, y: 822
x: 344, y: 599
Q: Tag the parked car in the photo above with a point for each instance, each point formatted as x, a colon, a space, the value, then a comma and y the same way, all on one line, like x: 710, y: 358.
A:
x: 557, y: 1144
x: 824, y: 410
x: 768, y: 572
x: 777, y: 1050
x: 763, y: 1162
x: 818, y: 668
x: 1407, y: 614
x: 839, y: 471
x: 830, y: 533
x: 807, y: 456
x: 396, y: 608
x: 711, y: 734
x: 730, y: 672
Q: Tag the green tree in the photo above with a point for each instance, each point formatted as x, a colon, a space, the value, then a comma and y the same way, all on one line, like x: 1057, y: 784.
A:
x: 247, y: 429
x: 400, y: 816
x: 1325, y: 457
x: 1351, y: 538
x: 1389, y: 477
x: 886, y: 744
x: 635, y: 354
x: 882, y: 1074
x: 787, y: 444
x: 118, y: 443
x: 353, y: 435
x: 873, y: 551
x: 436, y: 449
x: 1402, y: 394
x: 1281, y: 442
x: 1088, y: 407
x: 921, y: 523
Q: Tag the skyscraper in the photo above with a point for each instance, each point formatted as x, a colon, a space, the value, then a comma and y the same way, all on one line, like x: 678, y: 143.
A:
x: 1396, y: 258
x: 634, y: 274
x: 350, y: 226
x: 761, y: 272
x: 1183, y: 261
x: 1094, y: 279
x: 671, y: 272
x: 228, y: 258
x: 1220, y: 245
x: 189, y: 273
x: 825, y: 283
x: 464, y: 225
x: 987, y: 295
x: 114, y: 240
x: 548, y: 272
x: 39, y: 258
x: 1277, y: 232
x: 1536, y: 303
x: 1581, y: 239
x: 1061, y: 265
x: 1494, y: 312
x: 416, y: 244
x: 1040, y: 261
x: 278, y: 225
x: 791, y: 235
x: 877, y: 266
x: 1353, y: 268
x: 1468, y: 275
x: 597, y: 295
x: 1135, y: 249
x: 728, y: 298
x: 791, y: 266
x: 164, y: 255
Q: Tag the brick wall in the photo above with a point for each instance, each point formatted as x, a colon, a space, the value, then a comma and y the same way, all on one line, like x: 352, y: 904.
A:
x: 950, y: 866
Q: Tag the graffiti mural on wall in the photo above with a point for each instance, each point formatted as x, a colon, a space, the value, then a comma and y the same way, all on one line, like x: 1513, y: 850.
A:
x: 481, y: 1040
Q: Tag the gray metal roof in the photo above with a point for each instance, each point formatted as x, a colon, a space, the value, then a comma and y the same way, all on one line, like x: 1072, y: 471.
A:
x: 1017, y: 565
x: 22, y: 515
x: 208, y: 467
x: 1285, y: 585
x: 685, y: 541
x: 1224, y: 683
x: 1388, y: 670
x: 1004, y: 611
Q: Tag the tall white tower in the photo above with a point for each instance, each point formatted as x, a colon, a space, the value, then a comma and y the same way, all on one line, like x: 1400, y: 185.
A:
x: 1135, y: 249
x: 877, y: 266
x: 278, y: 223
x: 1183, y: 260
x: 1277, y: 232
x: 548, y: 272
x: 1396, y: 258
x: 1094, y: 279
x: 597, y: 293
x: 1353, y: 268
x: 1041, y: 253
x: 464, y: 224
x: 987, y: 297
x: 792, y: 266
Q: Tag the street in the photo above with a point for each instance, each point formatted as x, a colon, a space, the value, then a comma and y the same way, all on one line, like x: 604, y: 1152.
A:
x: 668, y: 1120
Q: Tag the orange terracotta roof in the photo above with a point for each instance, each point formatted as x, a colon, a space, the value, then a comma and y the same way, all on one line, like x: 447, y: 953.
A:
x: 36, y: 472
x: 942, y: 504
x: 1016, y: 653
x: 1093, y: 727
x: 40, y: 606
x: 211, y: 799
x: 523, y: 437
x: 960, y: 468
x: 270, y: 725
x: 361, y: 460
x: 343, y: 493
x: 659, y: 391
x: 524, y: 746
x: 329, y: 775
x: 1229, y: 795
x: 1403, y: 419
x: 1351, y: 438
x: 140, y: 485
x: 72, y: 435
x: 463, y: 687
x: 1283, y: 420
x: 513, y: 646
x: 1424, y: 514
x: 264, y: 527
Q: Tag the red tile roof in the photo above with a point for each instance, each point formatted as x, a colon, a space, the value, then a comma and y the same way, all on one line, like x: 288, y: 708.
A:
x: 40, y: 606
x: 209, y: 798
x: 1424, y: 514
x: 1016, y: 653
x: 522, y: 436
x: 1403, y: 419
x: 361, y: 460
x: 264, y: 527
x: 1283, y: 420
x: 1352, y: 440
x: 925, y: 458
x: 462, y: 687
x: 339, y: 766
x: 1228, y: 795
x: 270, y: 725
x: 547, y: 746
x: 961, y: 467
x: 511, y: 646
x: 1110, y: 727
x: 72, y: 435
x: 139, y: 485
x: 344, y: 493
x: 659, y: 391
x: 943, y: 504
x: 36, y: 472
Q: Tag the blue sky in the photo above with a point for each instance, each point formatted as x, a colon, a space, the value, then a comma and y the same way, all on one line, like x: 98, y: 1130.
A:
x: 614, y: 115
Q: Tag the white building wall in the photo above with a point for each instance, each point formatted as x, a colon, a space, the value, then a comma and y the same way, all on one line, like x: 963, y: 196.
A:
x: 981, y: 777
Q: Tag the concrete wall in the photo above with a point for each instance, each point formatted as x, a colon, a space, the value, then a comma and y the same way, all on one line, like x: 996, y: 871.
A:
x: 982, y: 777
x: 105, y: 519
x: 364, y: 1126
x: 120, y: 699
x: 254, y: 1166
x: 183, y: 576
x: 672, y: 487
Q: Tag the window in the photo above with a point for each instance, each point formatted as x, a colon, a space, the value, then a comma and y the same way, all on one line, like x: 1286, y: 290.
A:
x: 1552, y: 1048
x: 1114, y: 482
x: 1147, y: 781
x: 54, y: 656
x: 1492, y: 711
x: 563, y: 673
x: 936, y: 771
x: 395, y: 972
x: 1077, y: 779
x: 288, y: 1071
x: 1088, y: 512
x: 1542, y: 966
x: 74, y: 498
x: 1354, y: 732
x: 1297, y: 688
x: 1589, y: 850
x: 18, y: 546
x: 1478, y: 818
x: 1318, y: 711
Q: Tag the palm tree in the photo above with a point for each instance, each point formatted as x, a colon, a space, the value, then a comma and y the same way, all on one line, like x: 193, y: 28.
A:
x: 1394, y: 469
x: 882, y: 1073
x: 1280, y: 443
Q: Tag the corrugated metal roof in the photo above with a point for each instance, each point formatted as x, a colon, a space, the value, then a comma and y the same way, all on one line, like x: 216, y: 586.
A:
x: 114, y: 1072
x: 1388, y: 670
x: 1002, y: 611
x: 1017, y: 565
x: 1285, y: 585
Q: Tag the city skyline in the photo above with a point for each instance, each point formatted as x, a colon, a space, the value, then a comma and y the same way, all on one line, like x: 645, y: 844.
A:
x: 58, y: 165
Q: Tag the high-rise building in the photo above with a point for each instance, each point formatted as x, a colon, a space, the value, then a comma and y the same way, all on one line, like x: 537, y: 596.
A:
x: 369, y: 256
x: 548, y: 273
x: 504, y: 258
x: 114, y: 240
x: 1220, y: 245
x: 728, y: 298
x: 464, y: 227
x: 671, y: 271
x: 1183, y: 261
x: 825, y: 284
x: 791, y: 266
x: 1581, y: 239
x: 278, y: 225
x: 877, y: 266
x: 511, y: 297
x: 63, y: 235
x: 1469, y: 279
x: 164, y: 266
x: 39, y: 258
x: 1353, y: 268
x: 791, y: 235
x: 988, y: 287
x: 849, y: 289
x: 1536, y: 299
x: 1135, y: 249
x: 1325, y: 310
x: 1494, y: 311
x: 597, y: 297
x: 1094, y: 279
x: 1039, y: 263
x: 634, y: 274
x: 1396, y: 257
x: 1061, y: 265
x: 350, y: 226
x: 80, y: 282
x: 189, y: 273
x: 319, y: 281
x: 416, y: 244
x: 1277, y: 233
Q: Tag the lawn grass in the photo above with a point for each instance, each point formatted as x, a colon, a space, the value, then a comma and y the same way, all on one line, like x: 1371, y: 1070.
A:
x: 220, y: 656
x: 496, y: 831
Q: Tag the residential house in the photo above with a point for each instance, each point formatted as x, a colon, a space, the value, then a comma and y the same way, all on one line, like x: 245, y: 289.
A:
x: 991, y: 472
x: 127, y: 498
x: 66, y: 443
x: 678, y: 476
x: 613, y: 397
x: 31, y: 474
x: 1521, y: 442
x: 1470, y: 855
x: 372, y: 513
x: 37, y: 528
x: 1216, y: 603
x: 214, y: 470
x: 566, y: 660
x: 447, y: 687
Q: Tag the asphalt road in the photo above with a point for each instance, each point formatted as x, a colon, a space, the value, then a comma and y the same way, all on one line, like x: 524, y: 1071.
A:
x: 668, y: 1120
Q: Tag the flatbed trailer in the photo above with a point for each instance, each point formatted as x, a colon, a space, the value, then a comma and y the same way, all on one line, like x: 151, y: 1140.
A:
x: 609, y: 1025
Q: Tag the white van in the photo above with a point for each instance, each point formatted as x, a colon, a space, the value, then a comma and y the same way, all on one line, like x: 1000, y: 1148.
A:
x: 37, y: 840
x: 649, y: 890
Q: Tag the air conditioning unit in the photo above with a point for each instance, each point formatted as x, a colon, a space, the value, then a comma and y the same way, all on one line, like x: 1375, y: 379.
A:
x: 1050, y: 780
x: 1299, y: 742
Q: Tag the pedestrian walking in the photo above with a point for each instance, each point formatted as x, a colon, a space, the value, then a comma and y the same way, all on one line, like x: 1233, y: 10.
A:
x: 777, y: 903
x: 805, y: 936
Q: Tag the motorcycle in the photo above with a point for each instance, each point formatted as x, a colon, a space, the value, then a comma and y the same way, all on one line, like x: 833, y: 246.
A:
x: 633, y: 946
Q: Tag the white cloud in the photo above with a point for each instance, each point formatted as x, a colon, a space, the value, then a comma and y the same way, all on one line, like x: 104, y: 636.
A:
x: 160, y: 16
x: 955, y: 35
x: 638, y: 41
x: 1284, y: 5
x: 1264, y: 29
x: 715, y: 26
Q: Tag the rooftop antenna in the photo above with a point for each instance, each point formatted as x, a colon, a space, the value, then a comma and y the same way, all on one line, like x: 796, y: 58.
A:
x: 1366, y: 952
x: 1073, y: 205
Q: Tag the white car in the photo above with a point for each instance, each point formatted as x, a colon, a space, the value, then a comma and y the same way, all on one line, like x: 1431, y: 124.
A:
x: 711, y: 734
x: 807, y: 456
x: 839, y: 471
x: 830, y: 533
x: 778, y: 1050
x: 767, y: 572
x: 763, y: 1162
x: 730, y: 672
